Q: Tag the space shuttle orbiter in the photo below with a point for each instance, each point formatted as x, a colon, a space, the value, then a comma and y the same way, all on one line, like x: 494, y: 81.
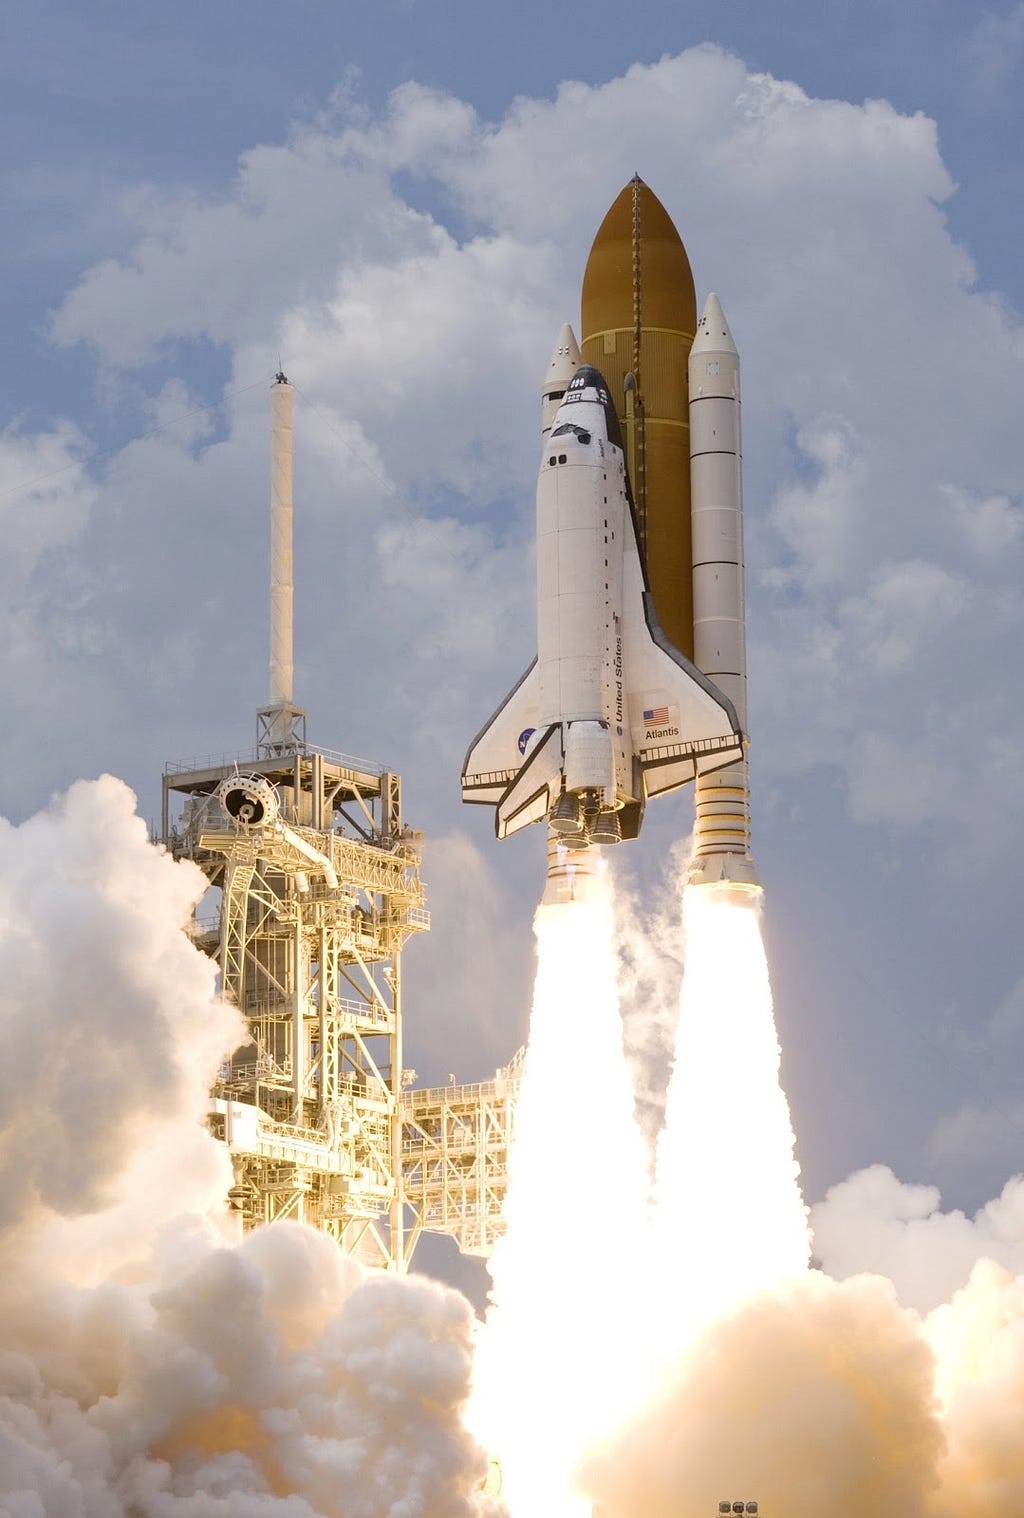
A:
x: 610, y: 712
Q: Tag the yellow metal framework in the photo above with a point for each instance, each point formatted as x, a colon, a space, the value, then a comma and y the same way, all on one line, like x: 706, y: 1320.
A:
x: 307, y: 915
x: 455, y: 1145
x: 312, y: 906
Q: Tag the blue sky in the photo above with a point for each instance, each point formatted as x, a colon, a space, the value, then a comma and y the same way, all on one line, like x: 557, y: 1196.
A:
x: 398, y: 199
x: 104, y: 98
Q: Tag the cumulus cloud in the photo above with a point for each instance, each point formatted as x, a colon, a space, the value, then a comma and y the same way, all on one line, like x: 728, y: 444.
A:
x: 993, y: 52
x: 874, y: 1222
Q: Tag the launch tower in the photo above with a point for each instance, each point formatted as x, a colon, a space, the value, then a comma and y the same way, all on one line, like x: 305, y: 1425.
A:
x: 314, y: 891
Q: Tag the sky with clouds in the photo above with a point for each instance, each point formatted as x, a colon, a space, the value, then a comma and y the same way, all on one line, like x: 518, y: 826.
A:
x: 397, y: 201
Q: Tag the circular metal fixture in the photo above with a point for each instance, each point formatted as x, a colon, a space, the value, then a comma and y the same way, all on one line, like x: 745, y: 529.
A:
x: 249, y: 800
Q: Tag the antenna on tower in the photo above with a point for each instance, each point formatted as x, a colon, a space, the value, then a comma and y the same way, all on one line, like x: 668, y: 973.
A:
x: 281, y: 726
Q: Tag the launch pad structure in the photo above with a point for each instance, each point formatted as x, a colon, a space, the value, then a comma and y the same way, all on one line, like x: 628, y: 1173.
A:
x: 314, y: 891
x: 314, y: 877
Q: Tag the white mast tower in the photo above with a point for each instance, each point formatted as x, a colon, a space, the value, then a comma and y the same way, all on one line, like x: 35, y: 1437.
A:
x: 282, y: 724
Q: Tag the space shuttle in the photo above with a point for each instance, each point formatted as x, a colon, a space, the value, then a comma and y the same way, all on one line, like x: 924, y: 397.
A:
x: 610, y: 712
x: 639, y: 684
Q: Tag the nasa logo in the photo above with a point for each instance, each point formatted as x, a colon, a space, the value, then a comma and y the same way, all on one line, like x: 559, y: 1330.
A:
x: 524, y: 738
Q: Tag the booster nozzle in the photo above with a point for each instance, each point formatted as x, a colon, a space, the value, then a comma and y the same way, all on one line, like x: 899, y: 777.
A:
x: 731, y: 875
x: 572, y: 873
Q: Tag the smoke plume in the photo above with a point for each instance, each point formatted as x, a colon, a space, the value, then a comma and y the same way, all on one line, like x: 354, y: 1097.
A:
x: 560, y: 1363
x: 150, y: 1366
x: 154, y: 1366
x: 889, y: 1383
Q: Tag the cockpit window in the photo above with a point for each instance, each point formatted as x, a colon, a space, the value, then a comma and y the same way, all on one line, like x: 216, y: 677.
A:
x: 581, y: 432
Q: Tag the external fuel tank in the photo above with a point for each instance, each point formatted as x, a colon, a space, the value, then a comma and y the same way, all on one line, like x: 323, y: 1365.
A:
x: 638, y: 319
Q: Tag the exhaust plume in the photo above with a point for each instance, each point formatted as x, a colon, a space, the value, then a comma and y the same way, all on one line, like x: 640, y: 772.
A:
x: 560, y: 1363
x: 865, y: 1397
x: 729, y: 1219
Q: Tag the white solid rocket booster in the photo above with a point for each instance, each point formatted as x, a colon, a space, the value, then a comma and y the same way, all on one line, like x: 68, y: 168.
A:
x: 722, y: 799
x: 281, y: 572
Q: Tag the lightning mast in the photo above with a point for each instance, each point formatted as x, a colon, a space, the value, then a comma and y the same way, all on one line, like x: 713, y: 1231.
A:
x: 282, y: 724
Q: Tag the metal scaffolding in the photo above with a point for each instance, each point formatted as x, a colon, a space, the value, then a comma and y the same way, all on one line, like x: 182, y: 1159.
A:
x: 455, y: 1144
x: 314, y: 890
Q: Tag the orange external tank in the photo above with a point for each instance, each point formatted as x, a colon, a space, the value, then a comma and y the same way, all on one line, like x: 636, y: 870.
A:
x: 638, y: 319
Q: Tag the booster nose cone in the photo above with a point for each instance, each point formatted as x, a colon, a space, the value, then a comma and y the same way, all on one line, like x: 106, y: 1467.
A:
x: 563, y: 365
x: 713, y: 335
x: 564, y: 361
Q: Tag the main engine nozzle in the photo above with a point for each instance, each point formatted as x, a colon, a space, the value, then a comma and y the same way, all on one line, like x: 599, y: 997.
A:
x: 567, y: 814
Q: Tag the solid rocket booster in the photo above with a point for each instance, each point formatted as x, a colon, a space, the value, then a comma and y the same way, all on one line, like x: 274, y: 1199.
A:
x: 722, y: 800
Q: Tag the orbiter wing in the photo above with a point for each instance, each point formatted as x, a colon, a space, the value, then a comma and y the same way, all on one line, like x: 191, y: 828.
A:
x: 496, y: 754
x: 681, y: 725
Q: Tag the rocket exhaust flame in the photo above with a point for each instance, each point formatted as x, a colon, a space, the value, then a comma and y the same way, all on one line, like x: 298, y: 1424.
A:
x: 729, y: 1219
x: 559, y: 1363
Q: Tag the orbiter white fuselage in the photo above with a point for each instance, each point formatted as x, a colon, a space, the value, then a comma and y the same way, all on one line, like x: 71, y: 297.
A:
x: 610, y: 712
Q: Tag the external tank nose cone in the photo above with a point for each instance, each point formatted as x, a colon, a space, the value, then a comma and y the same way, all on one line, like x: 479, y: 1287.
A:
x: 638, y: 254
x: 639, y: 314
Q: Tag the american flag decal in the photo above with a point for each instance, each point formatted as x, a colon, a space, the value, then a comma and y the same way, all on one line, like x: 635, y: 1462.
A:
x: 656, y: 714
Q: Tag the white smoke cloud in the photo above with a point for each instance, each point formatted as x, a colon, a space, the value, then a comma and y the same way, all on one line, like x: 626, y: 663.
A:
x: 815, y: 1399
x: 150, y: 1367
x: 271, y: 1378
x: 110, y: 1018
x: 874, y: 1222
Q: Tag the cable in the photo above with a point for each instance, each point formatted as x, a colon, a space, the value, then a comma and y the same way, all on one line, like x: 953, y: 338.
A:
x: 386, y: 484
